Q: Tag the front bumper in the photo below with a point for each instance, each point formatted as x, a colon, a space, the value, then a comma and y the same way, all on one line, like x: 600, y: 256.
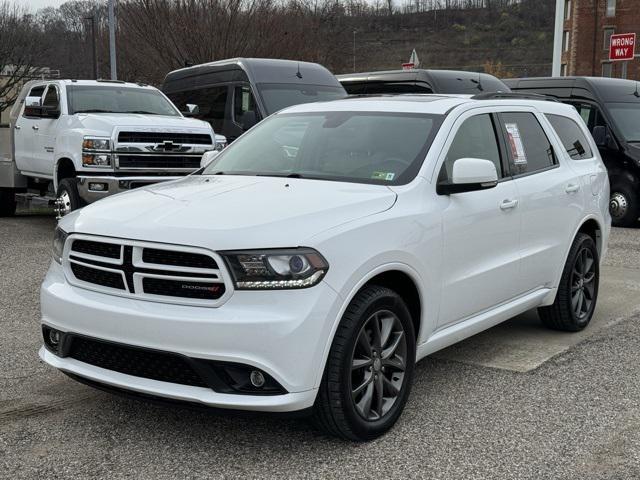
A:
x: 284, y: 333
x: 112, y: 185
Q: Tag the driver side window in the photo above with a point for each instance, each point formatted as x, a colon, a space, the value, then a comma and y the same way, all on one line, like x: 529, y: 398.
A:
x: 476, y: 138
x: 51, y: 99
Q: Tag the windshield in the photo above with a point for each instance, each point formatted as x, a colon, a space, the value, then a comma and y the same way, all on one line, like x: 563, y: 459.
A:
x: 362, y: 147
x: 111, y: 99
x: 277, y: 96
x: 627, y: 118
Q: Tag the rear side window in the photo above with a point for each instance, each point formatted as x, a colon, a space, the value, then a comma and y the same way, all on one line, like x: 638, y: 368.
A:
x: 529, y: 148
x: 211, y: 102
x: 573, y: 139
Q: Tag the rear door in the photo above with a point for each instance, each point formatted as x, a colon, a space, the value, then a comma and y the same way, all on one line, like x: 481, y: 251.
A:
x: 550, y: 196
x: 26, y: 128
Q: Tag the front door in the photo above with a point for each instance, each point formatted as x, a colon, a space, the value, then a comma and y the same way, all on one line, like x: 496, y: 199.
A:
x: 481, y: 229
x: 25, y: 130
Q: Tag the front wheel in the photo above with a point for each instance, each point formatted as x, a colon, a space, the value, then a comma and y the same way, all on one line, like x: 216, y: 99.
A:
x: 623, y: 204
x: 369, y: 371
x: 68, y: 199
x: 578, y: 290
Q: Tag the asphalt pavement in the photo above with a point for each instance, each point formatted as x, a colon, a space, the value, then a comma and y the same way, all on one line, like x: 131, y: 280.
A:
x: 516, y: 402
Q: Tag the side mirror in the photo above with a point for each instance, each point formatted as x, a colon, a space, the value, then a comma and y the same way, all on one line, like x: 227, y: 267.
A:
x: 469, y: 174
x: 192, y: 110
x: 32, y: 101
x: 600, y: 135
x: 208, y: 157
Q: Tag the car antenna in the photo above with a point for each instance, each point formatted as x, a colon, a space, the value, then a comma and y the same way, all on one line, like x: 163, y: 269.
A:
x: 298, y: 74
x: 480, y: 83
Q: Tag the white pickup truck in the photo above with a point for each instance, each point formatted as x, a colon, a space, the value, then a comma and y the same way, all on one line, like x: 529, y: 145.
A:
x: 77, y: 141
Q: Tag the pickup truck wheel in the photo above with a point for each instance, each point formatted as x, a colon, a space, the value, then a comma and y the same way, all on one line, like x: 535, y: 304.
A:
x: 623, y: 204
x: 578, y: 290
x: 369, y: 371
x: 68, y: 198
x: 7, y: 203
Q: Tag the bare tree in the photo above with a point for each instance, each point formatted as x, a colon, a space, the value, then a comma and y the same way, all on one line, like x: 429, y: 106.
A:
x: 18, y: 43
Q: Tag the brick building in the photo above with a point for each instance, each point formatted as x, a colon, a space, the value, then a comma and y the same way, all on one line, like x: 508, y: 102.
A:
x: 588, y: 26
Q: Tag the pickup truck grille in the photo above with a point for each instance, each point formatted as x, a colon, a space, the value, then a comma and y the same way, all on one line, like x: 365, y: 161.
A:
x: 158, y: 161
x: 156, y: 137
x: 149, y: 271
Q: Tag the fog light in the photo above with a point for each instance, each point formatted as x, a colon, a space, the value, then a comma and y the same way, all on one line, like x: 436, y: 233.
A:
x: 54, y: 338
x: 98, y: 187
x: 257, y: 379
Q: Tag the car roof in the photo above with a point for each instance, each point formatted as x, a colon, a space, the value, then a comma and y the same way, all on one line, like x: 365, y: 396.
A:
x: 427, y: 103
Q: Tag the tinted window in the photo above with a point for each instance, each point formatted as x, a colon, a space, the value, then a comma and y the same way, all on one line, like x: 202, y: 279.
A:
x: 590, y: 114
x: 527, y: 143
x: 626, y: 116
x: 211, y: 103
x: 476, y: 138
x: 572, y: 137
x: 278, y: 96
x: 363, y: 147
x: 382, y: 88
x: 51, y: 98
x: 245, y: 110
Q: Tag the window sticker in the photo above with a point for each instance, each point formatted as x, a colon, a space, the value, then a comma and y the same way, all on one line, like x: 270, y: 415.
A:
x: 515, y: 141
x: 389, y: 176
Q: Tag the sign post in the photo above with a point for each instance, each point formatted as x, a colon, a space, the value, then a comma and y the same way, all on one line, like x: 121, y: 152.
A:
x: 622, y: 47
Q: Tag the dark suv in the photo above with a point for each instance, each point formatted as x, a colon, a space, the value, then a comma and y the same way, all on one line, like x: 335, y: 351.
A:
x: 611, y: 109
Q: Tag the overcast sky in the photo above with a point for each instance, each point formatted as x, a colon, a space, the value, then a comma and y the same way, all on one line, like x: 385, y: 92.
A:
x: 37, y: 4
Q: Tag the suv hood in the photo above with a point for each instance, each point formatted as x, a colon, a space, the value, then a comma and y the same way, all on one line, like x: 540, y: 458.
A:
x: 106, y: 122
x: 230, y: 212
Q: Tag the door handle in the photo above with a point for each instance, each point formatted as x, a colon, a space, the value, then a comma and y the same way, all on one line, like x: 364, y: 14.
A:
x: 507, y: 204
x: 572, y: 187
x: 17, y: 127
x: 35, y: 127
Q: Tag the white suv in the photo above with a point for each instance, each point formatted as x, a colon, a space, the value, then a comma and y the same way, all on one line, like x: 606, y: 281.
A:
x: 325, y: 251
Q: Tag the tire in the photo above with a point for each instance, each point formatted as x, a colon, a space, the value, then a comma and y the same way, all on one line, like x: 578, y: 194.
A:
x: 623, y: 204
x: 582, y: 264
x: 337, y: 410
x: 68, y: 196
x: 7, y: 203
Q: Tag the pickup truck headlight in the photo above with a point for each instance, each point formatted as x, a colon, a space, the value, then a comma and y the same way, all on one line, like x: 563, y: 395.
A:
x: 276, y: 269
x: 59, y: 237
x: 96, y: 160
x: 96, y: 143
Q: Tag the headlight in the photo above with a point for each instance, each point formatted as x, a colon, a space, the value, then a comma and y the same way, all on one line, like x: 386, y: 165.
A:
x: 96, y: 143
x: 276, y: 269
x: 96, y: 160
x: 59, y: 237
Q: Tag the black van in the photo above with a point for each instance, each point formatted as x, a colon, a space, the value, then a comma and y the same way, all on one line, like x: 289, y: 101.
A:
x: 235, y: 94
x: 421, y: 81
x: 611, y: 109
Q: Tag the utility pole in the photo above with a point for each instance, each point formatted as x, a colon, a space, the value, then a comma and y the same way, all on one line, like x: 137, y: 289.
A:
x: 112, y: 40
x: 354, y: 51
x: 94, y: 46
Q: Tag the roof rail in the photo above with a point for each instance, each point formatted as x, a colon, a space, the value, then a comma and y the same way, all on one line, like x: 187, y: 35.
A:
x: 507, y: 96
x: 106, y: 80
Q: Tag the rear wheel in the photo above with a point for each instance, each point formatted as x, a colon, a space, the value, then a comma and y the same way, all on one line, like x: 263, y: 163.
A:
x: 578, y: 290
x: 68, y: 198
x: 369, y: 371
x: 623, y: 204
x: 7, y: 203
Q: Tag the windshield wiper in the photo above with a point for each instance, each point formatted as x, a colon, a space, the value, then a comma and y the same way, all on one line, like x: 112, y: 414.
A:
x: 143, y: 112
x: 280, y: 175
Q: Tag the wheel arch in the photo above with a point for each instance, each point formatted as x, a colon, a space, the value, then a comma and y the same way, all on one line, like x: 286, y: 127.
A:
x: 65, y: 168
x: 389, y: 275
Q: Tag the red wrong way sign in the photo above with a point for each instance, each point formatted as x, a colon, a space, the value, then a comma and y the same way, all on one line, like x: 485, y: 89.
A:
x: 623, y: 46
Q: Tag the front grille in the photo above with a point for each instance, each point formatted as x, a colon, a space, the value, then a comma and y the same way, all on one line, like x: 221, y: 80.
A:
x: 151, y: 364
x: 180, y: 259
x: 183, y: 289
x: 98, y: 277
x: 139, y: 269
x: 156, y: 137
x: 158, y: 161
x: 99, y: 249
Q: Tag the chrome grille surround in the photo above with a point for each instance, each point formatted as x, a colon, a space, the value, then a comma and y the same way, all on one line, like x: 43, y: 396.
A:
x: 133, y: 270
